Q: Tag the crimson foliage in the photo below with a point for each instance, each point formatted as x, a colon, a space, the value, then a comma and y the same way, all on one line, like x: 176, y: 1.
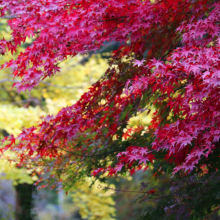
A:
x: 168, y: 62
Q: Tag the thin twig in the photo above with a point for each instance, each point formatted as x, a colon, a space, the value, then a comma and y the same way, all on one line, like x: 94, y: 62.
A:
x: 113, y: 19
x: 94, y: 155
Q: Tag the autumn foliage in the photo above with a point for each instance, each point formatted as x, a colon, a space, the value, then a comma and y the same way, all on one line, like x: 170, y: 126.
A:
x: 168, y: 63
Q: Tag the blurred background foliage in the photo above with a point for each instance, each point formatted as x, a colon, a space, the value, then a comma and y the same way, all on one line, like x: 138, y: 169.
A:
x: 25, y: 110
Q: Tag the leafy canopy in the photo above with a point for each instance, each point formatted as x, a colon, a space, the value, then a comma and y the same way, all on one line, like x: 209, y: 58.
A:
x: 167, y: 64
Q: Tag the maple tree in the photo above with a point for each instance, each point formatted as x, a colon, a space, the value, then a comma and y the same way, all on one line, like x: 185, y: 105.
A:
x: 168, y: 64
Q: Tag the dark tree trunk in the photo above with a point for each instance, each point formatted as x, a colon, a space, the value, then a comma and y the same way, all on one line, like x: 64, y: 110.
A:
x: 23, y: 201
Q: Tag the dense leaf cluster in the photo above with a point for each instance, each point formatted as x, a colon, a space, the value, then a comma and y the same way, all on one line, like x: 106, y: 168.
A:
x: 168, y: 63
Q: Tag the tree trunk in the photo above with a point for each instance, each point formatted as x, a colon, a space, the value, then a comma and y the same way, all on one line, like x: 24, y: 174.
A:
x: 23, y: 202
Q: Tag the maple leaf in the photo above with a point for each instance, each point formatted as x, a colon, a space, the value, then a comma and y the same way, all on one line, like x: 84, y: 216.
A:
x: 143, y: 160
x: 157, y: 63
x: 188, y: 167
x: 132, y: 158
x: 139, y: 62
x: 199, y: 153
x: 119, y: 167
x: 143, y: 151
